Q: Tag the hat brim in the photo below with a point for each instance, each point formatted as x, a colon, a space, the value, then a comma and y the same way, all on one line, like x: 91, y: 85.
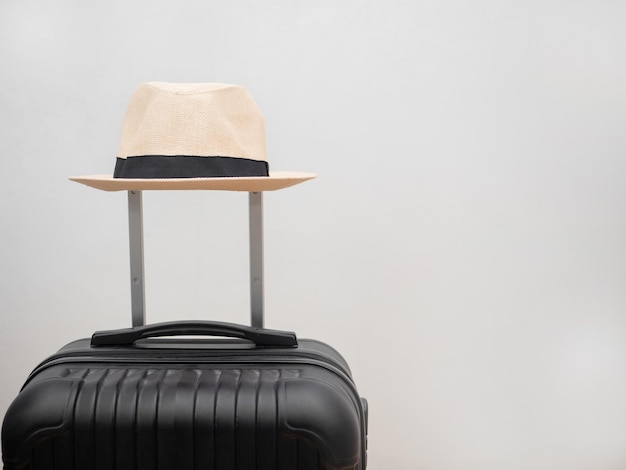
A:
x: 276, y: 180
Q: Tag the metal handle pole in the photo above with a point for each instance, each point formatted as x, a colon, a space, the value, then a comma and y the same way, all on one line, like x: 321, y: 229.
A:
x: 256, y: 259
x: 137, y: 286
x: 137, y: 291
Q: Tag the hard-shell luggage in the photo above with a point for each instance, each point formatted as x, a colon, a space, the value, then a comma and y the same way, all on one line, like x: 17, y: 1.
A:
x: 244, y: 397
x: 124, y: 400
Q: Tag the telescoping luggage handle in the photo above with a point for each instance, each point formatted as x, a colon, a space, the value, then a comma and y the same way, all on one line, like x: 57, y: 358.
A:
x: 259, y: 336
x: 137, y: 284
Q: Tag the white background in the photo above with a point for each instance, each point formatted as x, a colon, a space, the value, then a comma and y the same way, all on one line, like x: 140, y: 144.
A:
x: 464, y: 245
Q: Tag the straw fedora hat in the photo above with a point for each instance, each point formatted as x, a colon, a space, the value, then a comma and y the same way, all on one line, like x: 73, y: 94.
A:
x: 193, y: 136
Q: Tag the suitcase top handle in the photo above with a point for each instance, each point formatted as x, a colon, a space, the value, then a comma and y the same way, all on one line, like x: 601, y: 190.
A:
x: 259, y: 336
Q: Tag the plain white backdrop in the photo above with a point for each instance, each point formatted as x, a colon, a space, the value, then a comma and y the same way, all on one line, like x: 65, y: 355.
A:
x: 464, y: 245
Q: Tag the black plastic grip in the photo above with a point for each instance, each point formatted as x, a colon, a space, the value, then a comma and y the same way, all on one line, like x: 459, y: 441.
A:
x: 259, y: 336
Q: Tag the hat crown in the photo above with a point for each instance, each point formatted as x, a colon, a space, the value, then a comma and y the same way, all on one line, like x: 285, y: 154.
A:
x: 192, y: 119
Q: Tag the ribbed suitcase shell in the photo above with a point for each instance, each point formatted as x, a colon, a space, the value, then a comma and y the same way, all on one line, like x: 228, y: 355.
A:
x: 188, y: 404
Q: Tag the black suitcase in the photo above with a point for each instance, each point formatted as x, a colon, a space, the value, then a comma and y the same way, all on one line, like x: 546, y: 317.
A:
x: 256, y: 399
x: 123, y: 402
